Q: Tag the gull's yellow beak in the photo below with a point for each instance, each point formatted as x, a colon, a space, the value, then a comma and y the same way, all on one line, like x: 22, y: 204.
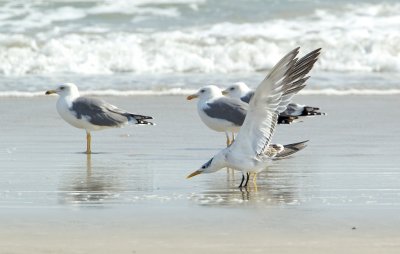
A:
x: 50, y: 92
x: 224, y: 92
x: 192, y: 96
x: 195, y: 173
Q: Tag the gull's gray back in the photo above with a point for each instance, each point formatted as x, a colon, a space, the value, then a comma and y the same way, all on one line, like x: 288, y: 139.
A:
x: 98, y: 112
x: 246, y: 98
x: 229, y: 109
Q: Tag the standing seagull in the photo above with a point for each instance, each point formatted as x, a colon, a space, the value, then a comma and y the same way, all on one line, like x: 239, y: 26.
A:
x: 91, y: 114
x: 247, y: 153
x: 293, y: 111
x: 219, y: 112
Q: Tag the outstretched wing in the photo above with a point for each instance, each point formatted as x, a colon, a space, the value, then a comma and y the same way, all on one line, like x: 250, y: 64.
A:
x: 271, y: 98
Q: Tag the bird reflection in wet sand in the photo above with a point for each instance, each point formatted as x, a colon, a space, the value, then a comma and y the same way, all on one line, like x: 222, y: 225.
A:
x: 93, y: 188
x: 278, y: 189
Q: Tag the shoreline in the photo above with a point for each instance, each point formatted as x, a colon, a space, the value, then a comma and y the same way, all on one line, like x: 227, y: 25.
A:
x: 131, y: 196
x: 184, y: 92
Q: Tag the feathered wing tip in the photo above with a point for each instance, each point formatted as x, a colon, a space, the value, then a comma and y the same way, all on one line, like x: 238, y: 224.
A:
x: 141, y: 119
x: 295, y: 77
x: 291, y: 149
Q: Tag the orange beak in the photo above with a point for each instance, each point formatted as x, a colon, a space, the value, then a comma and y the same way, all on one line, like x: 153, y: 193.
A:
x: 192, y: 97
x: 51, y: 92
x: 195, y: 173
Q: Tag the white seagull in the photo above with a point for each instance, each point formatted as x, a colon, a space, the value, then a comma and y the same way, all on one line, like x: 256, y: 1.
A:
x: 293, y: 111
x: 219, y: 112
x: 92, y: 114
x: 248, y: 153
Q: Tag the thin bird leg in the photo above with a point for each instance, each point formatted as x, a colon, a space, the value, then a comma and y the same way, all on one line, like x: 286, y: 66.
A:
x: 240, y: 186
x: 233, y: 138
x: 255, y: 187
x: 88, y: 142
x: 247, y: 180
x: 228, y: 141
x: 255, y: 178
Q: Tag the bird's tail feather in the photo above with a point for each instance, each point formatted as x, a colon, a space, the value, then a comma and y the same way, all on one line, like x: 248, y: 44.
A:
x: 141, y: 119
x: 297, y: 113
x: 311, y: 111
x: 287, y: 119
x: 290, y: 149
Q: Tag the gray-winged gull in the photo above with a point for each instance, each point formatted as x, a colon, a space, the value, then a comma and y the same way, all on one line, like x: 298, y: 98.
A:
x: 92, y: 114
x: 219, y: 112
x: 293, y: 111
x: 248, y: 153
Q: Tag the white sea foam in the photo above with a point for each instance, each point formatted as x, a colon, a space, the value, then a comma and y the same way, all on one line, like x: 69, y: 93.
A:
x: 353, y: 39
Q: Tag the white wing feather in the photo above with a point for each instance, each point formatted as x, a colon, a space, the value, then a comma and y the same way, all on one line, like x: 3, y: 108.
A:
x: 270, y: 98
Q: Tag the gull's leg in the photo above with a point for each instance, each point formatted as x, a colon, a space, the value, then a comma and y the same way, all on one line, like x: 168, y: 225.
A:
x: 255, y: 178
x: 233, y: 137
x: 240, y: 186
x: 88, y: 142
x: 228, y: 141
x: 255, y: 187
x: 255, y: 182
x: 247, y: 180
x: 88, y: 166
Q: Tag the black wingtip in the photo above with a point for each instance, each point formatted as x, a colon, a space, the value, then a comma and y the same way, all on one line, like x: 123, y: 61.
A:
x: 143, y: 122
x: 286, y: 119
x: 312, y: 111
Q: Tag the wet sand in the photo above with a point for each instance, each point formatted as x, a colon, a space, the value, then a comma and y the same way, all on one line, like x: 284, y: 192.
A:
x: 340, y: 194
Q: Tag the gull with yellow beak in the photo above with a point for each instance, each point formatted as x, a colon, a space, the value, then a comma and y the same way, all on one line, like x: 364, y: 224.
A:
x: 92, y: 114
x: 293, y: 111
x: 219, y: 112
x: 248, y: 153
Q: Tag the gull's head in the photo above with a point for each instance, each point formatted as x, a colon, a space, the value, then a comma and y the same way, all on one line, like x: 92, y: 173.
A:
x: 206, y: 93
x: 213, y: 165
x: 236, y: 90
x: 67, y: 89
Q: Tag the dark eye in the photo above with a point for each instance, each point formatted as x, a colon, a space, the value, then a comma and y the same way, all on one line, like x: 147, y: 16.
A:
x: 62, y: 87
x: 232, y: 88
x: 202, y: 91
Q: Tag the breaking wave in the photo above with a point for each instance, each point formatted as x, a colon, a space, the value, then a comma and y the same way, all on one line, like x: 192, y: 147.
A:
x: 353, y: 39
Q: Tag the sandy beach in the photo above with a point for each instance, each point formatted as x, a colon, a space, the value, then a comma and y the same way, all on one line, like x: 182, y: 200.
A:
x: 340, y: 194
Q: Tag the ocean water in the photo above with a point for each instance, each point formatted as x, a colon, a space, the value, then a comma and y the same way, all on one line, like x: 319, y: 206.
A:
x: 124, y: 47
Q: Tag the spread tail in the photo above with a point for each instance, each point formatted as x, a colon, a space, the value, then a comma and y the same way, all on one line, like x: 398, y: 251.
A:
x: 140, y: 119
x: 290, y: 149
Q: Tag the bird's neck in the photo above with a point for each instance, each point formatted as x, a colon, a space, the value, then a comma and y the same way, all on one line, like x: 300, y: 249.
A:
x: 210, y: 98
x: 68, y: 99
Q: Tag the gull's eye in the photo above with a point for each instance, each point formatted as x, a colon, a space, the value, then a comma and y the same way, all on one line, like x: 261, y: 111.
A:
x: 232, y: 88
x: 62, y: 87
x: 202, y: 91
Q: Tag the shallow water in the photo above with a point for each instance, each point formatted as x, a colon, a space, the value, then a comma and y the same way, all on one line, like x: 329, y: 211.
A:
x: 344, y: 165
x: 341, y: 193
